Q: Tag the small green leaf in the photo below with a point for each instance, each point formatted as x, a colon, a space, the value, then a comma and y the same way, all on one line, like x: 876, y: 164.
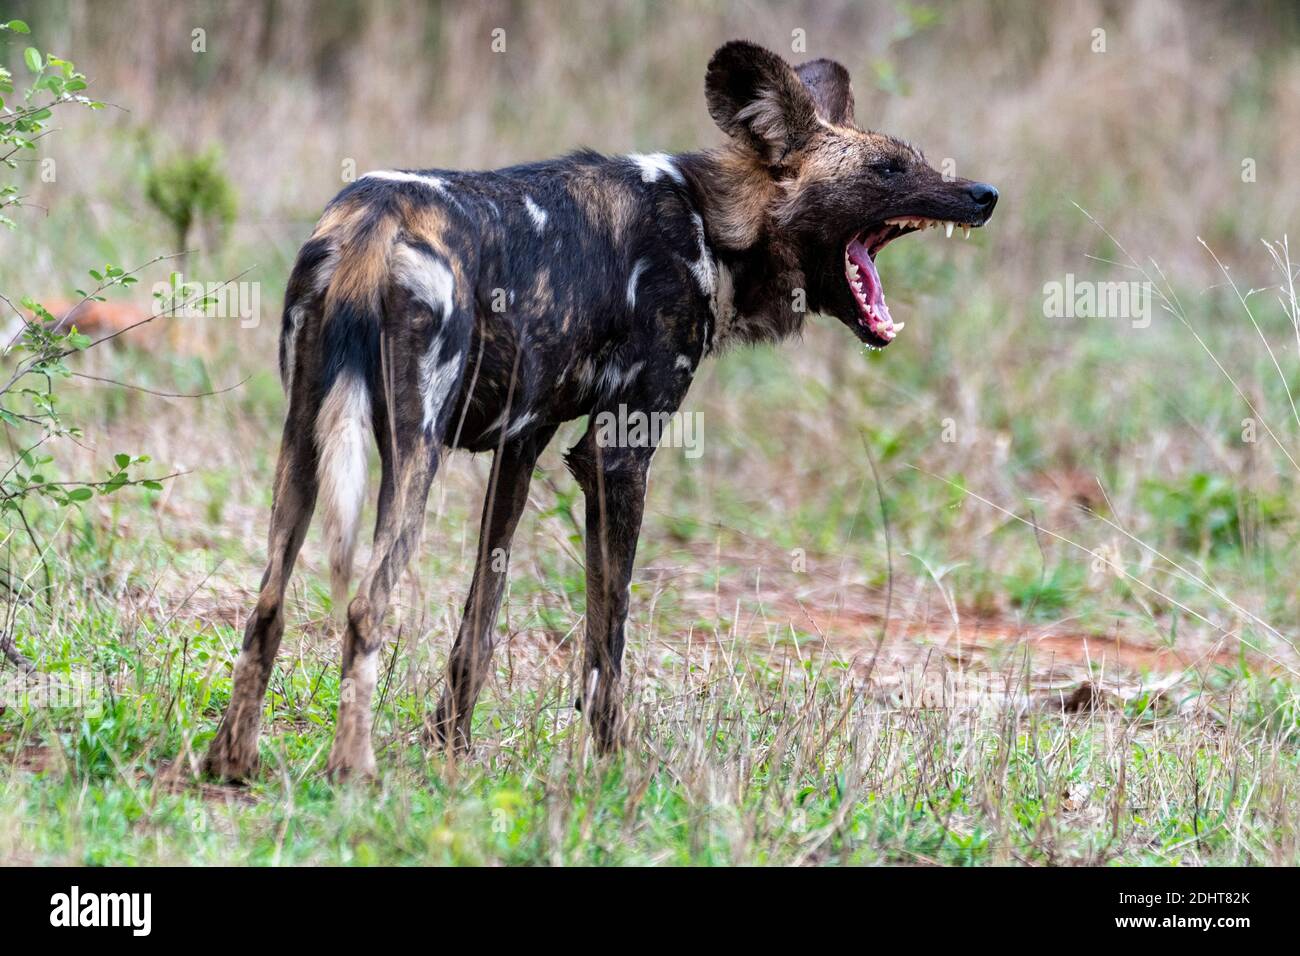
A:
x: 18, y: 26
x: 33, y: 58
x: 81, y: 494
x: 122, y: 460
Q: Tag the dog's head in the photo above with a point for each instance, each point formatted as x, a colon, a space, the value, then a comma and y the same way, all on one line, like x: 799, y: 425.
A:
x: 831, y: 194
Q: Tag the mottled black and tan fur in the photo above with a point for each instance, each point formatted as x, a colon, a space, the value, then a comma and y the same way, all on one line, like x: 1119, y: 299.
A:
x: 480, y: 310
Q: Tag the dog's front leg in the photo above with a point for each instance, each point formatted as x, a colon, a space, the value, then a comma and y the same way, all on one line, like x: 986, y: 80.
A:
x: 614, y: 484
x: 507, y: 494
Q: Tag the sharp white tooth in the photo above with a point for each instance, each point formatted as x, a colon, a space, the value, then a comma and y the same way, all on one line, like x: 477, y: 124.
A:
x: 949, y: 228
x: 853, y: 270
x: 899, y: 326
x: 966, y: 231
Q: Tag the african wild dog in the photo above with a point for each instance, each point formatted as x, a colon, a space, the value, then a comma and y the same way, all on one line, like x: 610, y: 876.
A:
x: 438, y: 309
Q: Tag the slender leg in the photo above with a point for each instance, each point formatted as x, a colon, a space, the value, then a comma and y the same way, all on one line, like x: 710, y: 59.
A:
x: 233, y: 753
x: 614, y: 484
x: 467, y: 669
x: 396, y: 539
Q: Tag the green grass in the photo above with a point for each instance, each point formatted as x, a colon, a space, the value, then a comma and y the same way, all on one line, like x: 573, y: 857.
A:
x: 753, y: 769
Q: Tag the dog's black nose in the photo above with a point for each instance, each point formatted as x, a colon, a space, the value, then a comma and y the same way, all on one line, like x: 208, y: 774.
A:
x: 985, y: 195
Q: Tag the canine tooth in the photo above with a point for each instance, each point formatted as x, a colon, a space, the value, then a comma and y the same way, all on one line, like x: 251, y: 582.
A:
x: 949, y: 228
x: 899, y: 326
x: 853, y: 270
x: 966, y: 231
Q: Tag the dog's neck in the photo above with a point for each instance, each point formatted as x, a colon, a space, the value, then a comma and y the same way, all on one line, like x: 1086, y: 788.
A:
x: 735, y: 193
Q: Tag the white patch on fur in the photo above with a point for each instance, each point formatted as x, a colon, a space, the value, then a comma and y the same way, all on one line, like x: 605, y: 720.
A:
x: 497, y: 423
x: 536, y: 213
x: 398, y: 176
x: 325, y: 271
x: 520, y: 423
x: 290, y: 343
x: 430, y: 281
x: 654, y: 165
x: 426, y: 278
x: 703, y: 268
x: 516, y: 426
x: 612, y: 380
x: 684, y: 361
x: 342, y: 430
x: 637, y: 269
x: 437, y: 380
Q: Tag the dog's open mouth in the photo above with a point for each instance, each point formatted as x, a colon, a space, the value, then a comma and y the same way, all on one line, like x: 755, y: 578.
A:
x: 864, y: 280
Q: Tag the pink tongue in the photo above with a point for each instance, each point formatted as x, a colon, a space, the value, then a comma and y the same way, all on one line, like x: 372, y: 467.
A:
x: 871, y: 287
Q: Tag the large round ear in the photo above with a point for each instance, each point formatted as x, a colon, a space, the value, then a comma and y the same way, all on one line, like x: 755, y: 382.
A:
x: 756, y: 98
x: 831, y: 89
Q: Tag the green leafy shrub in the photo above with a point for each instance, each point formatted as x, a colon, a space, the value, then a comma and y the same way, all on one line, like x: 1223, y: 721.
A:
x: 192, y: 189
x: 34, y: 354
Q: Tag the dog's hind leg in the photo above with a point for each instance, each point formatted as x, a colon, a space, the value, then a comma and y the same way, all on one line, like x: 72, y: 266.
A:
x: 507, y: 495
x: 233, y: 753
x: 422, y: 362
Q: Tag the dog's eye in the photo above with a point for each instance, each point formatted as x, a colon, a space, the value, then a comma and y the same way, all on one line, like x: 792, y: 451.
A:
x: 887, y: 167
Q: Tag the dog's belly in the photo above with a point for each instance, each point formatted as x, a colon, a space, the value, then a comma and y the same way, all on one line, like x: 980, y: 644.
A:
x: 506, y: 396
